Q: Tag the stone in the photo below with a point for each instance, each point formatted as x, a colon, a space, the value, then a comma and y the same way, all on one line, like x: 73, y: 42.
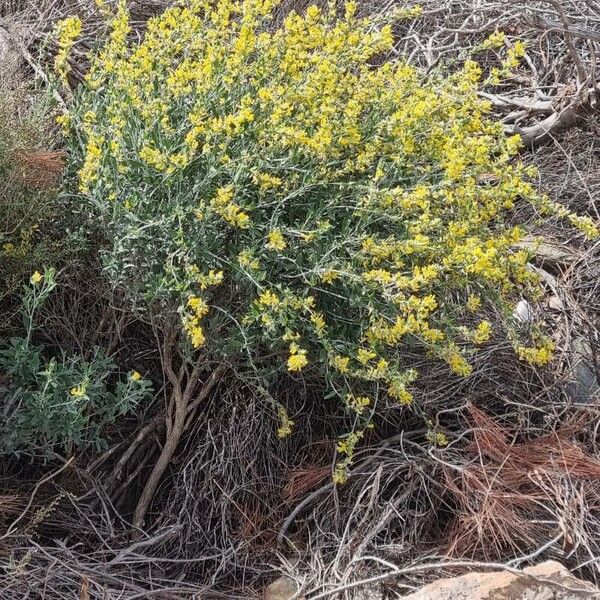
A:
x: 283, y: 588
x: 555, y: 303
x: 547, y: 581
x: 583, y: 384
x: 523, y: 312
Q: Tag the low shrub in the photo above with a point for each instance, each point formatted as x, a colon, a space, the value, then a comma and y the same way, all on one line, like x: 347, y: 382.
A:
x: 31, y: 231
x: 58, y: 403
x: 300, y: 203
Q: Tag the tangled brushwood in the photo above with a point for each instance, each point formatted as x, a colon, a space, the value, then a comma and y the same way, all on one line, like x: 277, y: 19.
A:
x: 276, y: 300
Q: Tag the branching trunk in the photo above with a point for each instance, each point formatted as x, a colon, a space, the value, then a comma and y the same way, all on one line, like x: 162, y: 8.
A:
x: 187, y: 393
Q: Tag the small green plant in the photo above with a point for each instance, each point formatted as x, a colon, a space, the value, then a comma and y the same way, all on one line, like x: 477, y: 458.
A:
x: 302, y: 210
x: 61, y: 403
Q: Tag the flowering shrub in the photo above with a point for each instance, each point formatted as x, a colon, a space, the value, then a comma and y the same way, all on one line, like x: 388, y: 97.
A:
x: 59, y: 403
x: 301, y: 208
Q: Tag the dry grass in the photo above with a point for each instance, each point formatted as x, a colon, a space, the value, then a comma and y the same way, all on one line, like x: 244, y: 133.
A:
x: 40, y: 170
x: 512, y: 496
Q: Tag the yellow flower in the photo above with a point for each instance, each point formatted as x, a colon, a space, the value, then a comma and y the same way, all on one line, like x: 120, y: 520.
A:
x: 437, y: 438
x: 379, y: 370
x: 135, y: 376
x: 357, y: 403
x: 397, y: 389
x: 473, y: 303
x: 191, y: 322
x: 265, y: 181
x: 297, y: 359
x: 482, y: 333
x: 341, y: 363
x: 67, y: 31
x: 213, y: 278
x: 286, y: 426
x: 198, y: 305
x: 585, y: 225
x: 196, y: 334
x: 458, y: 363
x: 226, y: 208
x: 364, y: 356
x: 246, y: 259
x: 340, y: 475
x: 78, y: 391
x: 36, y: 278
x: 276, y: 241
x: 318, y: 320
x: 64, y: 120
x: 329, y: 276
x: 269, y: 299
x: 495, y: 40
x: 539, y: 355
x: 224, y: 195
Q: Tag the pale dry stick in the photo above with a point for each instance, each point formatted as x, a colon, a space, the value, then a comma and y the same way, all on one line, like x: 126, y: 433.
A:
x: 116, y: 495
x: 518, y: 561
x: 159, y: 537
x: 115, y: 475
x: 534, y: 135
x: 101, y: 458
x: 527, y: 105
x: 581, y: 72
x: 18, y: 43
x: 281, y: 536
x: 383, y: 521
x: 572, y: 164
x: 94, y: 576
x: 343, y: 545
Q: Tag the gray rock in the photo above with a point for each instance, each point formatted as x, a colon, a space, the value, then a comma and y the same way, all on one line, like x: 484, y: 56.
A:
x: 547, y: 581
x: 283, y: 588
x: 523, y: 312
x: 583, y: 384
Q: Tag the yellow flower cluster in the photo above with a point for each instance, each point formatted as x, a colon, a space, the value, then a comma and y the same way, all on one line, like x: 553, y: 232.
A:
x: 266, y: 181
x: 495, y: 40
x: 210, y: 279
x: 512, y: 60
x: 268, y: 299
x: 224, y: 206
x: 276, y: 241
x: 191, y: 321
x: 79, y: 391
x: 437, y: 438
x: 36, y: 278
x: 482, y: 333
x: 67, y: 31
x: 346, y: 448
x: 540, y: 354
x: 297, y: 359
x: 286, y: 424
x: 357, y: 403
